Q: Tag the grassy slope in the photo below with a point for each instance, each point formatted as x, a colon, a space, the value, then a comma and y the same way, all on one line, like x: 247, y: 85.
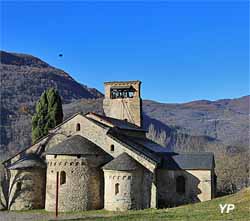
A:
x: 198, y: 212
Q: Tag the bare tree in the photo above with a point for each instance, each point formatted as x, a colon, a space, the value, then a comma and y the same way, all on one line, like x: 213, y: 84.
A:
x: 152, y: 134
x: 232, y: 170
x: 159, y: 137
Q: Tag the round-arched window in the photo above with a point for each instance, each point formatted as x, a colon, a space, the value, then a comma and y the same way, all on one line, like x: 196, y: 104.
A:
x: 117, y: 188
x: 78, y: 127
x: 62, y: 178
x: 112, y: 147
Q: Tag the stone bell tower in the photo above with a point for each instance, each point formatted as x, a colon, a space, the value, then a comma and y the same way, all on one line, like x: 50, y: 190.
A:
x: 123, y: 101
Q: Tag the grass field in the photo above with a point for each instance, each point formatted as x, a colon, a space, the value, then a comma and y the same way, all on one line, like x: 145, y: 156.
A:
x: 200, y: 211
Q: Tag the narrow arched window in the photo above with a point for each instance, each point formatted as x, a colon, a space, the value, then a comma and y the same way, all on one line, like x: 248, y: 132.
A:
x: 180, y: 184
x: 117, y: 188
x: 18, y: 186
x: 62, y: 178
x: 112, y: 148
x: 78, y: 127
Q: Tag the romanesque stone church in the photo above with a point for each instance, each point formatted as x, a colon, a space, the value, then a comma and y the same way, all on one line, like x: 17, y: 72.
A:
x: 93, y: 161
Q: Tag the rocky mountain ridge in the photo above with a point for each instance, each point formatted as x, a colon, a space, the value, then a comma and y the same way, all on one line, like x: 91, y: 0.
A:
x: 23, y: 80
x: 25, y: 77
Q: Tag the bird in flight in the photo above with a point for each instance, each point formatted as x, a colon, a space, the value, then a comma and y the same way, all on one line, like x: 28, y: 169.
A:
x: 60, y: 55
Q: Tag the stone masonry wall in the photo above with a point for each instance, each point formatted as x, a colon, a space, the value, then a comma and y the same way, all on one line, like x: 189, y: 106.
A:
x: 135, y: 189
x: 124, y: 108
x: 27, y: 189
x: 129, y: 195
x: 198, y: 186
x: 83, y: 189
x: 97, y: 135
x: 92, y: 132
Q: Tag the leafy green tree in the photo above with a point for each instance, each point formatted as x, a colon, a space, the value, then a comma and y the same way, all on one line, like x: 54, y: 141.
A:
x: 48, y: 114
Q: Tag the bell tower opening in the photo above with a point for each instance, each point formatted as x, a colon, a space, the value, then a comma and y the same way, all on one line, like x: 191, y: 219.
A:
x: 126, y: 92
x: 123, y: 101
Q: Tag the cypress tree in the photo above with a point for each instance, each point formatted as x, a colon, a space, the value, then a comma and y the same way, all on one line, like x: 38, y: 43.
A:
x: 48, y: 114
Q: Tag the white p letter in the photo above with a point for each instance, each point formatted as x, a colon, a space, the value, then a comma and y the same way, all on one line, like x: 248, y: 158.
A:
x: 230, y: 207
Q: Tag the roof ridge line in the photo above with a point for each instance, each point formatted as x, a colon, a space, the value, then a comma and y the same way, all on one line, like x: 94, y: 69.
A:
x: 42, y: 138
x: 101, y: 120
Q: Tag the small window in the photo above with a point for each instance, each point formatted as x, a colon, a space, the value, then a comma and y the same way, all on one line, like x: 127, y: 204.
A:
x: 62, y: 178
x: 130, y: 94
x: 78, y: 127
x: 112, y: 148
x: 180, y: 184
x: 18, y: 186
x: 117, y: 188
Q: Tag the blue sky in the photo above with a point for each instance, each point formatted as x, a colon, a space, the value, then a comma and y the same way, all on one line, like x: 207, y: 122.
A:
x: 181, y: 51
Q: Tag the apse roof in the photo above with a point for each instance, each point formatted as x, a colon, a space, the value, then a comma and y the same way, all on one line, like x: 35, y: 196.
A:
x: 28, y: 161
x: 75, y: 145
x: 123, y: 162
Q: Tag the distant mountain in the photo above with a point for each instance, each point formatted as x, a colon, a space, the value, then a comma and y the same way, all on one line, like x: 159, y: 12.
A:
x: 225, y: 120
x: 195, y: 124
x: 23, y: 79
